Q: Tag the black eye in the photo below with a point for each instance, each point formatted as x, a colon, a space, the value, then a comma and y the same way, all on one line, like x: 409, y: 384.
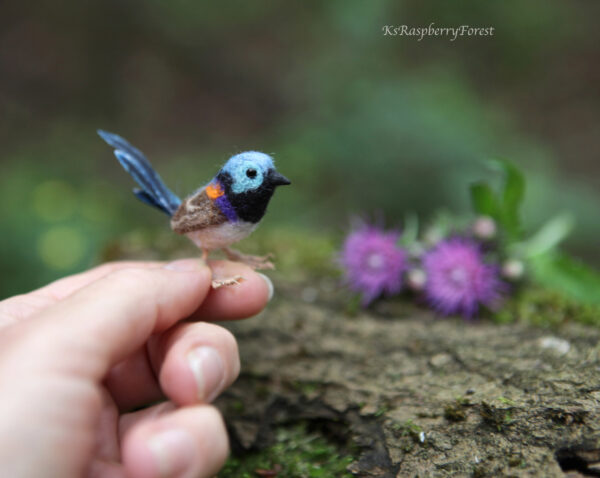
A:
x: 251, y: 173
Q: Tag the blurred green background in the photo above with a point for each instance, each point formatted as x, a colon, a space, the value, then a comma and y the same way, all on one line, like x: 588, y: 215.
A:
x: 359, y: 121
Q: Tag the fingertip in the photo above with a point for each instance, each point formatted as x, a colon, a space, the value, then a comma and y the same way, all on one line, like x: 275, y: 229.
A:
x: 238, y: 301
x: 270, y: 286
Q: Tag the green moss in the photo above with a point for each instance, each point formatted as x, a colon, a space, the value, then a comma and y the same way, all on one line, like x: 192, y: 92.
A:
x: 238, y: 406
x: 454, y: 414
x: 516, y: 461
x: 498, y: 418
x: 306, y: 388
x: 506, y: 401
x: 463, y: 401
x: 296, y: 453
x: 408, y: 429
x: 457, y: 410
x: 408, y: 434
x: 546, y: 308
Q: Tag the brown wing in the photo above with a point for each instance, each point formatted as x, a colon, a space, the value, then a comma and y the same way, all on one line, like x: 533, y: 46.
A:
x: 197, y: 212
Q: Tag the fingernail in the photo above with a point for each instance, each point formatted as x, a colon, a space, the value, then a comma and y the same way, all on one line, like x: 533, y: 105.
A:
x: 269, y: 285
x: 185, y: 265
x: 207, y: 366
x: 173, y: 451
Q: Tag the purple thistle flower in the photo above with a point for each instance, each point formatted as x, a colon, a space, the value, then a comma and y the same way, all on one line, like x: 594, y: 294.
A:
x: 458, y: 279
x: 373, y: 263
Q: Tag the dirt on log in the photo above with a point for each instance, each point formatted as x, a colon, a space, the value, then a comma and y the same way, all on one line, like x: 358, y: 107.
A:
x: 409, y: 394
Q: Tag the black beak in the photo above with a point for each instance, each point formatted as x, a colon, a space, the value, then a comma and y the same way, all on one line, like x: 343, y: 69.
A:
x: 277, y: 179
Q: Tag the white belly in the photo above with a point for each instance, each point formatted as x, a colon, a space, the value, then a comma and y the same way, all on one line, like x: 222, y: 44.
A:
x: 222, y: 235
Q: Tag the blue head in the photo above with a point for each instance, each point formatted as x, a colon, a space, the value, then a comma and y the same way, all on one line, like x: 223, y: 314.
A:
x: 252, y: 170
x: 250, y: 180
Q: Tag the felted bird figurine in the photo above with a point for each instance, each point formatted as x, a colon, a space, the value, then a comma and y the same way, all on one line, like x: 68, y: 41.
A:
x: 218, y: 214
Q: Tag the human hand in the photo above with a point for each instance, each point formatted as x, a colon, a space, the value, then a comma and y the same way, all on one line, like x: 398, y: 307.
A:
x: 79, y: 355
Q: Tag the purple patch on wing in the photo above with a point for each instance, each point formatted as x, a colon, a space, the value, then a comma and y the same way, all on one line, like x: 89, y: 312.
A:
x: 226, y: 208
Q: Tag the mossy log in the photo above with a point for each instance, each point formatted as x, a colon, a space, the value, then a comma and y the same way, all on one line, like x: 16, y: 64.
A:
x: 409, y: 394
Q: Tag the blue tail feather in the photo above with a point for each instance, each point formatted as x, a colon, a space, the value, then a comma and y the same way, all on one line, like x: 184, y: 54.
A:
x: 154, y: 192
x: 120, y: 143
x: 146, y: 198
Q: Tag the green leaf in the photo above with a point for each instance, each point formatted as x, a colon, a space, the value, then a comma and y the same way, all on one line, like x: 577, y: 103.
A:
x: 514, y: 188
x: 484, y: 200
x: 512, y: 197
x: 547, y: 238
x: 410, y: 232
x: 567, y: 275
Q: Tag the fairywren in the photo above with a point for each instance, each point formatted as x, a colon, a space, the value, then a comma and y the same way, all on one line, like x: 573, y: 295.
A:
x: 218, y: 214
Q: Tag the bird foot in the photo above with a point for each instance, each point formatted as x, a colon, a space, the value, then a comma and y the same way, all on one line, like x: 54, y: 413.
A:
x: 218, y: 283
x: 255, y: 262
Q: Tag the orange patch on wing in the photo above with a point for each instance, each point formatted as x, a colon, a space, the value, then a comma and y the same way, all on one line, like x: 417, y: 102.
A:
x: 214, y: 190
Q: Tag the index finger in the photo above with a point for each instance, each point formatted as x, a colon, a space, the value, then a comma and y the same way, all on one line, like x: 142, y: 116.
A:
x: 109, y: 319
x: 16, y: 308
